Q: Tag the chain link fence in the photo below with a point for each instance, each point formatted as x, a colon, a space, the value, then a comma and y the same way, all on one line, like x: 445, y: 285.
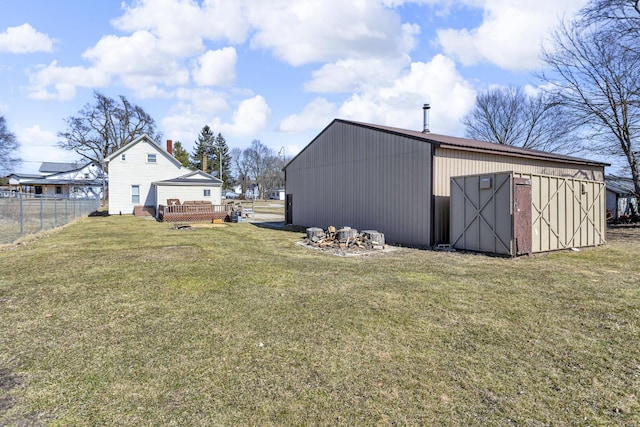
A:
x: 22, y: 214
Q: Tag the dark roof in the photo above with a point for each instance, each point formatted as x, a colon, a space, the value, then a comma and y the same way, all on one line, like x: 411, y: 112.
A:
x: 203, y: 179
x: 620, y: 185
x: 76, y: 182
x: 55, y: 167
x: 453, y: 142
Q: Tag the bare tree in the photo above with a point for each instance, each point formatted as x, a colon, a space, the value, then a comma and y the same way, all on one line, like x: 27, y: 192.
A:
x: 242, y: 169
x: 258, y: 156
x: 597, y: 78
x: 8, y: 147
x: 509, y: 116
x: 102, y: 128
x: 620, y: 16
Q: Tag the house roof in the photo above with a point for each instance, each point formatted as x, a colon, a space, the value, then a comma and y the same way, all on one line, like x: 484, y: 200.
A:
x: 456, y: 143
x: 55, y: 167
x: 620, y: 185
x: 195, y: 178
x: 153, y: 143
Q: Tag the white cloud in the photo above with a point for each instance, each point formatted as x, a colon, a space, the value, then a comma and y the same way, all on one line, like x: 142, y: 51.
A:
x: 317, y: 113
x: 36, y: 145
x: 400, y: 104
x: 65, y: 80
x: 24, y: 39
x: 355, y: 74
x: 203, y: 100
x: 511, y: 34
x: 180, y: 25
x: 303, y: 31
x: 250, y: 118
x: 216, y: 67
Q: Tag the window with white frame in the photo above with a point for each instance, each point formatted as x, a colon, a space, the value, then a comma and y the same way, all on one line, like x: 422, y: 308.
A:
x: 135, y: 194
x: 151, y: 158
x: 123, y: 157
x: 207, y: 192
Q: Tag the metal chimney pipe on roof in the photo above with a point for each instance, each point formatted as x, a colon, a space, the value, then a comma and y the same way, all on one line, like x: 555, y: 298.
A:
x: 425, y: 118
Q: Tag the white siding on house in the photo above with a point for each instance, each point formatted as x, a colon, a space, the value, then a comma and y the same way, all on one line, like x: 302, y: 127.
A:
x: 189, y: 193
x: 135, y: 170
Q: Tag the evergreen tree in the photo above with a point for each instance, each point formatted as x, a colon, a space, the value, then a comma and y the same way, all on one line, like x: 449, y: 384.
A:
x: 222, y: 160
x: 181, y: 154
x: 204, y: 147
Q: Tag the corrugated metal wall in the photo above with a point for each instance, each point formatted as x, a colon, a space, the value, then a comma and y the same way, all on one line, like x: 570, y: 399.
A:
x: 366, y: 179
x: 566, y: 213
x: 448, y: 163
x: 481, y: 217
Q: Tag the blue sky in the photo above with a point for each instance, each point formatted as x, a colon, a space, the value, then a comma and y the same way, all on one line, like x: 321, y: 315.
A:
x: 278, y: 71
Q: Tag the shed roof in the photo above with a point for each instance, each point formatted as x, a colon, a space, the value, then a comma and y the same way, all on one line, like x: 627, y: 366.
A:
x: 465, y: 144
x: 192, y: 178
x: 57, y: 167
x: 620, y: 185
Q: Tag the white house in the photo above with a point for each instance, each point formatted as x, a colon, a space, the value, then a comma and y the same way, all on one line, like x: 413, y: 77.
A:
x: 143, y: 175
x: 74, y: 180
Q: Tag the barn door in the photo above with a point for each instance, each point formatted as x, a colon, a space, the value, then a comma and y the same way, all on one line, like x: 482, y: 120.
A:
x: 522, y: 226
x: 288, y: 209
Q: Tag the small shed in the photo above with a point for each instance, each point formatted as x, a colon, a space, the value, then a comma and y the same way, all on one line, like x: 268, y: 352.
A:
x: 511, y: 213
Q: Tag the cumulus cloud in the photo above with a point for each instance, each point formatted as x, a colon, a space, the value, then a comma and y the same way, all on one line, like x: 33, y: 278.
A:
x: 64, y: 80
x: 510, y: 35
x: 216, y: 67
x: 301, y: 32
x: 250, y: 118
x: 317, y: 113
x: 181, y: 25
x: 24, y: 39
x: 399, y: 104
x: 37, y: 144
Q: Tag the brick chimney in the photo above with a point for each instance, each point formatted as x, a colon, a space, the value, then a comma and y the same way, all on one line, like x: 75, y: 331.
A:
x: 204, y: 162
x: 170, y: 146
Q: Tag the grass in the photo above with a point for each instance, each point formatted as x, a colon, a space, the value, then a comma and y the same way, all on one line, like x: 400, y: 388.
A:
x: 126, y: 321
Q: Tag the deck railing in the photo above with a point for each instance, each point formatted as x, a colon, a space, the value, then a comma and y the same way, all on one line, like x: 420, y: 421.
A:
x: 193, y: 212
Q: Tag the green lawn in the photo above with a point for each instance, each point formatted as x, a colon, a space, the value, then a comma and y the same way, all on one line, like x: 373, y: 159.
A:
x: 126, y: 321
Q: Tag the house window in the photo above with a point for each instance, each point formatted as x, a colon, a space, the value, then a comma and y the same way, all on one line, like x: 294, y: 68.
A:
x: 58, y: 189
x: 207, y: 192
x: 38, y: 189
x: 151, y: 158
x: 123, y: 157
x: 135, y: 194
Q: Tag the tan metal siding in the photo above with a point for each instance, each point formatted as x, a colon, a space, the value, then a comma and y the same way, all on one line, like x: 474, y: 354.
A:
x: 448, y: 163
x: 351, y: 176
x: 566, y: 213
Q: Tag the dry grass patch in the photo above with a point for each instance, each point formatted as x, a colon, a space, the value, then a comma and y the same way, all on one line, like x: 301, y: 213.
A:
x: 125, y: 321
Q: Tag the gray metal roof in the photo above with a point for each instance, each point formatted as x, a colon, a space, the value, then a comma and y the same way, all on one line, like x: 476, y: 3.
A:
x: 188, y: 179
x: 453, y: 142
x: 620, y: 185
x: 55, y: 167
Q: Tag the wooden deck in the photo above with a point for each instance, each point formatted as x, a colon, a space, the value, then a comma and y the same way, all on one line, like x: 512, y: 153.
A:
x: 194, y: 212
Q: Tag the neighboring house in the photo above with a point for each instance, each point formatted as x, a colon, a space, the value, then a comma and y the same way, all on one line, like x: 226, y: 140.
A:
x: 621, y: 198
x: 277, y: 194
x: 143, y: 175
x: 74, y: 180
x: 397, y: 181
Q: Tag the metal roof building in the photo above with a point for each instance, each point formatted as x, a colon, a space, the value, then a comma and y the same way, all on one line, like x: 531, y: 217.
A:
x: 397, y: 181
